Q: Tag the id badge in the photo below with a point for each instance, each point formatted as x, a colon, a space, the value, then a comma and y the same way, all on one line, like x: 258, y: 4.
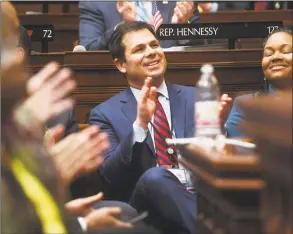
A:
x: 180, y: 174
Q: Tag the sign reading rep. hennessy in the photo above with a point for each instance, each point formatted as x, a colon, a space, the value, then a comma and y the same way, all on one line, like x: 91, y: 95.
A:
x: 223, y: 30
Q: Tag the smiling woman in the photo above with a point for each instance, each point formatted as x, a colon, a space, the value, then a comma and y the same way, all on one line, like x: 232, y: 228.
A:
x: 277, y: 68
x: 277, y: 59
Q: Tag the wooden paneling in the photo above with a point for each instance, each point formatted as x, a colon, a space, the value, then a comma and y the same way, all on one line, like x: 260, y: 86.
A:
x: 248, y: 16
x: 23, y: 8
x: 238, y: 72
x: 65, y: 29
x: 55, y: 7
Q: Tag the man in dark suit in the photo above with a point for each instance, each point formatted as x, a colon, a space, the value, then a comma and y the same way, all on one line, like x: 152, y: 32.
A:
x: 138, y: 120
x: 98, y: 19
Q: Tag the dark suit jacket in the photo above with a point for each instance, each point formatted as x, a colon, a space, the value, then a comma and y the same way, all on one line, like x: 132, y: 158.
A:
x: 123, y: 163
x: 98, y: 20
x: 67, y: 119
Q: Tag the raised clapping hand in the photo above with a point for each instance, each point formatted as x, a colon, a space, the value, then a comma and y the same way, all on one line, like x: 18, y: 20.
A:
x: 127, y: 10
x: 146, y: 104
x: 182, y: 12
x: 206, y: 6
x: 77, y: 153
x: 48, y: 90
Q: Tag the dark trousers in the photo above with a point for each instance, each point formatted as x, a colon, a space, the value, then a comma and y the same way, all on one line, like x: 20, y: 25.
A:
x: 172, y: 209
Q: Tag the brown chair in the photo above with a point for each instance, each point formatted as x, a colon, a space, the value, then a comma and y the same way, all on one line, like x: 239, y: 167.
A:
x: 83, y: 126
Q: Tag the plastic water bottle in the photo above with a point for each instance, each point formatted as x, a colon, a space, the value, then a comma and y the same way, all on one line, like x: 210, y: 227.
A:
x: 207, y: 104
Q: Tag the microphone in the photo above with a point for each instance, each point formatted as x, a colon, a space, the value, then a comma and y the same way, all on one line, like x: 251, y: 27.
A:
x: 79, y: 48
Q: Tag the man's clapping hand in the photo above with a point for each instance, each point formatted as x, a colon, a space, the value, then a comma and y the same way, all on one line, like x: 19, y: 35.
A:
x: 182, y: 12
x: 127, y: 10
x: 146, y: 104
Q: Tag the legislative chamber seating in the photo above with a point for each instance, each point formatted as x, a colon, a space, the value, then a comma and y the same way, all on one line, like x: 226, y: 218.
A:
x: 232, y: 195
x: 66, y: 25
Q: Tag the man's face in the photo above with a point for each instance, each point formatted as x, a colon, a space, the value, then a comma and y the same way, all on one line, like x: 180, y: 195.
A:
x: 143, y: 58
x: 277, y: 57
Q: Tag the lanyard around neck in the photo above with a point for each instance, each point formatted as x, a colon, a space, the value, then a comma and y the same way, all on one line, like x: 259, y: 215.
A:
x: 45, y: 205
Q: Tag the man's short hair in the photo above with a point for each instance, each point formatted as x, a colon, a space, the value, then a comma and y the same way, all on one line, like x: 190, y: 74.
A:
x: 116, y: 46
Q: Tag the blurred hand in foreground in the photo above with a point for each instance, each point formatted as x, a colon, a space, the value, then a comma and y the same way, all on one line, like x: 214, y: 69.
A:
x: 77, y: 153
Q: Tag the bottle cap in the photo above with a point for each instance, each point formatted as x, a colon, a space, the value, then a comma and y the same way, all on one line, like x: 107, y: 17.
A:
x: 207, y: 68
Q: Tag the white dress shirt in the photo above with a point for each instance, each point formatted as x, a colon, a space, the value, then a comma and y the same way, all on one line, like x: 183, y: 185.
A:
x: 144, y: 11
x: 82, y: 223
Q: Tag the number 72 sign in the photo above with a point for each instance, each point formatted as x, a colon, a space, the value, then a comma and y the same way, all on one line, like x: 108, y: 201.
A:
x: 40, y: 32
x: 47, y: 33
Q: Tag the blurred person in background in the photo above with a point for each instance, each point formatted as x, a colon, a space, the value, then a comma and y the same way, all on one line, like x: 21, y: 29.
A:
x: 98, y: 19
x: 277, y: 69
x: 224, y: 6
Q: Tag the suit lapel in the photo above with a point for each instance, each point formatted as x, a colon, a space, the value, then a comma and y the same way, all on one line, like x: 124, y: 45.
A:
x: 150, y: 143
x: 177, y: 106
x: 128, y: 105
x: 129, y: 108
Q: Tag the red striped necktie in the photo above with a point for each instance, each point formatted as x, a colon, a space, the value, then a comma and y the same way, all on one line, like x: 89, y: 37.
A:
x: 161, y: 132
